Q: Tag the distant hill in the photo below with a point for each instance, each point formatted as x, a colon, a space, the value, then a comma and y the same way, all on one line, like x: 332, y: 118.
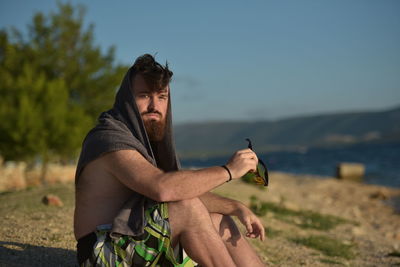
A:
x: 219, y: 138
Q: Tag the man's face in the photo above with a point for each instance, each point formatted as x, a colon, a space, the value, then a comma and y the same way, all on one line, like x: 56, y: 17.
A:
x: 152, y: 107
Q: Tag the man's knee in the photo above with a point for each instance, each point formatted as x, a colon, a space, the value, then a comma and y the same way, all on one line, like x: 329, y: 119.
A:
x: 188, y: 215
x: 191, y: 211
x: 226, y: 227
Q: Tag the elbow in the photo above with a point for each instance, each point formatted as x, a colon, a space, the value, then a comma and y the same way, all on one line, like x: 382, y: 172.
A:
x: 163, y: 197
x: 163, y: 193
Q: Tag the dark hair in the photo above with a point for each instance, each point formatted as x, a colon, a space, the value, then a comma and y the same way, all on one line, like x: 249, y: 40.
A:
x: 155, y: 75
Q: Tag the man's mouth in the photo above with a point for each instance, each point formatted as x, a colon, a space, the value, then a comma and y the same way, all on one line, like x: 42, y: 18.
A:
x: 152, y: 115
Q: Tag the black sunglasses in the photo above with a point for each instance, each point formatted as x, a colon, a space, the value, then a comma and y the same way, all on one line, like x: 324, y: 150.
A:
x: 261, y: 174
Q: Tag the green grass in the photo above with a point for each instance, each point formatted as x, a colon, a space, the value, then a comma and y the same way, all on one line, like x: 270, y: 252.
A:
x: 303, y: 218
x: 328, y: 246
x: 272, y: 233
x: 259, y: 208
x: 312, y: 220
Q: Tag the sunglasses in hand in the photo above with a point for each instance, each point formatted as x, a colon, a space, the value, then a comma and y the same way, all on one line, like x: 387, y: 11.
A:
x: 260, y: 176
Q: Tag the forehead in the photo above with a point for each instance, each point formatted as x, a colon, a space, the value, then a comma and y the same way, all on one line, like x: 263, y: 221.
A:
x: 140, y: 86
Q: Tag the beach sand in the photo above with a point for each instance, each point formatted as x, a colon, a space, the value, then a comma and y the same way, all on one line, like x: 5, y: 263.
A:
x: 367, y: 232
x: 372, y: 230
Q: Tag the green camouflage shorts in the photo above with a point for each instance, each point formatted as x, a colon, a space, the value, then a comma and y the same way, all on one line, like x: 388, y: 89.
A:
x: 152, y: 249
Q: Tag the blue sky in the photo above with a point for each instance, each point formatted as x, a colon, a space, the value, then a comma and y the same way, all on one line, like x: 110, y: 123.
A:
x: 256, y: 60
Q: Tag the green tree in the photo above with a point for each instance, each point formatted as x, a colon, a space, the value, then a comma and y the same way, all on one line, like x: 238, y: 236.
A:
x: 54, y: 84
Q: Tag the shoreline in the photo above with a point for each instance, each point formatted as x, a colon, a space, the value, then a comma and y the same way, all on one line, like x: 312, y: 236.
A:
x: 311, y: 175
x: 18, y: 177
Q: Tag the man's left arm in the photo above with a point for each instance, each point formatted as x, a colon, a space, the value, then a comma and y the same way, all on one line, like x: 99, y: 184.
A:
x: 218, y: 204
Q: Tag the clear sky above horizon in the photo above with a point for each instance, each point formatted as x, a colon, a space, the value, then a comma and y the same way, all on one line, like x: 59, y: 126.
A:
x: 252, y: 60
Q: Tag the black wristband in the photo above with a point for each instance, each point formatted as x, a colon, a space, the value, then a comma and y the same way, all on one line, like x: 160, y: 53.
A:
x: 230, y: 174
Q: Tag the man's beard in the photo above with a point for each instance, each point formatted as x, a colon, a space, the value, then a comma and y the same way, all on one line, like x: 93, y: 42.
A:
x: 155, y: 129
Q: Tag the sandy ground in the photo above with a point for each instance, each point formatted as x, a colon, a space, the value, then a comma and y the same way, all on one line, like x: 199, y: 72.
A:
x: 33, y: 234
x: 374, y: 235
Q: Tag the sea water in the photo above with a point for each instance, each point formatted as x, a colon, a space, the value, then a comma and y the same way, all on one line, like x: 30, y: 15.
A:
x: 382, y: 161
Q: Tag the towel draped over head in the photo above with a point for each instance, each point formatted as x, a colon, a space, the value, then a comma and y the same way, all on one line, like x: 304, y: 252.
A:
x: 122, y: 128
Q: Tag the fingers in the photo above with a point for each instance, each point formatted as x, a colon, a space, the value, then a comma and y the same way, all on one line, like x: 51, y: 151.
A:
x: 262, y: 237
x: 249, y: 227
x: 241, y: 162
x: 248, y: 156
x: 252, y: 223
x: 246, y: 150
x: 255, y: 230
x: 247, y: 153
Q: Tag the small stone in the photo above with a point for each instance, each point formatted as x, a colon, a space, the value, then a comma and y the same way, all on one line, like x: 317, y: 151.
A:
x: 350, y: 171
x: 52, y: 200
x: 381, y: 194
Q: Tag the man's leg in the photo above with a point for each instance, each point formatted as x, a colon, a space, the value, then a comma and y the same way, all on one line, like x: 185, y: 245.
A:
x: 240, y: 250
x: 191, y: 225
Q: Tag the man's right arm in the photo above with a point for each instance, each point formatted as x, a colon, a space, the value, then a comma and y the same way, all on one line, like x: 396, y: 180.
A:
x: 135, y: 172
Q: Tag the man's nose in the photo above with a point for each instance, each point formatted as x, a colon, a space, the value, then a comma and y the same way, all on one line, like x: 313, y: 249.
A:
x: 152, y: 103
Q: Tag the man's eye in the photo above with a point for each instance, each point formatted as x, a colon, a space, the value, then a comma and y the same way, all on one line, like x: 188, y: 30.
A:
x: 143, y: 96
x: 164, y: 96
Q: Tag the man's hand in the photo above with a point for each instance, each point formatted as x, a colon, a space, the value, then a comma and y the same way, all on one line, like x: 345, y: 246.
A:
x: 252, y: 223
x: 241, y: 162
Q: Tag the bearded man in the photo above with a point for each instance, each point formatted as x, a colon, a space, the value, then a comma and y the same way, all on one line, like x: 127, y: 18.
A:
x: 135, y: 207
